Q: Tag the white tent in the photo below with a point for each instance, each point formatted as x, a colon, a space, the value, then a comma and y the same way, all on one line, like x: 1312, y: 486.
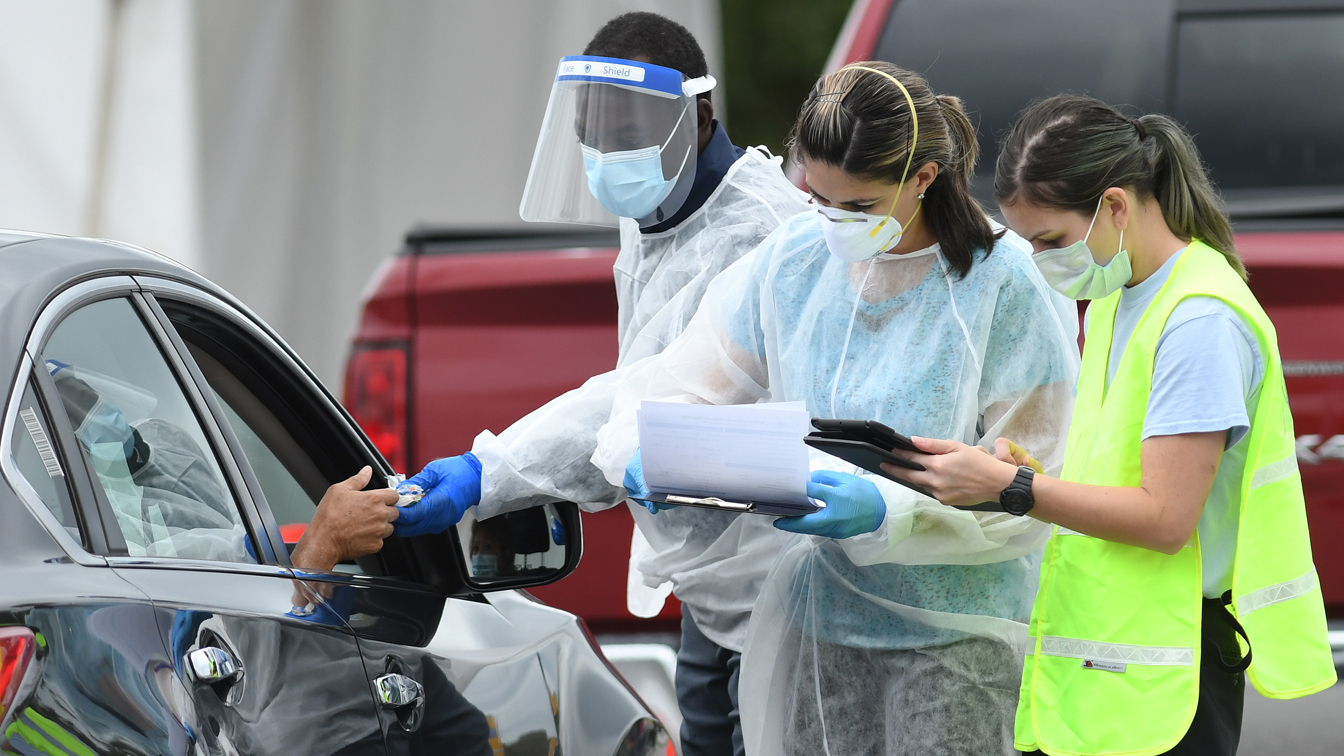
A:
x: 282, y: 147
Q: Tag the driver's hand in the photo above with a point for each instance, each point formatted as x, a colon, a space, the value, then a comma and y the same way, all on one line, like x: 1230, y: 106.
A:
x: 349, y: 523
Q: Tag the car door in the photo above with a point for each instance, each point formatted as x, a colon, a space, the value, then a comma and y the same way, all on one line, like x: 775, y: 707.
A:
x: 186, y: 531
x: 454, y: 673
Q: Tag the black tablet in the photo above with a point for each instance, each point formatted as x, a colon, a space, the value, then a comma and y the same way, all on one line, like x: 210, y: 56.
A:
x: 870, y: 458
x: 871, y: 431
x: 865, y: 455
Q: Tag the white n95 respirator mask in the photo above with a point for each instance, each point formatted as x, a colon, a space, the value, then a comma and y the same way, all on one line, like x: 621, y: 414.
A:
x: 855, y: 237
x: 1073, y: 270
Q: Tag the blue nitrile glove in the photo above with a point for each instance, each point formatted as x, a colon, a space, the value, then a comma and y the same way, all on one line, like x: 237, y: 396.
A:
x: 853, y: 506
x: 635, y: 485
x: 451, y: 485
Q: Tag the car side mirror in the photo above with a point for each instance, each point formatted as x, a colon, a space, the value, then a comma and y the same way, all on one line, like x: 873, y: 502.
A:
x: 521, y: 549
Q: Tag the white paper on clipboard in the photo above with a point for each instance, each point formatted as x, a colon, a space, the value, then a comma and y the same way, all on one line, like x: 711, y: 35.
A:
x: 750, y: 452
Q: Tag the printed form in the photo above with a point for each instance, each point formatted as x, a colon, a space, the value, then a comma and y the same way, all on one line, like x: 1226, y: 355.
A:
x: 749, y: 452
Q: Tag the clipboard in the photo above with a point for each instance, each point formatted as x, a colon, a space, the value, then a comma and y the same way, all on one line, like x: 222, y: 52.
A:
x: 770, y: 508
x: 867, y: 444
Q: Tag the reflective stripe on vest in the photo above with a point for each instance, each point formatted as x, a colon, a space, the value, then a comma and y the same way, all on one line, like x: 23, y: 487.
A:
x: 1118, y: 653
x: 1277, y: 593
x: 1131, y: 615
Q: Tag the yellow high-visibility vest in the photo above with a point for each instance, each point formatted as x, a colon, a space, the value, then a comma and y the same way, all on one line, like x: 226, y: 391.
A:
x: 1113, y: 665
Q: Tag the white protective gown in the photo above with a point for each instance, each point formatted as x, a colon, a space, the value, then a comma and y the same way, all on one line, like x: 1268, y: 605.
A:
x: 660, y: 278
x: 907, y: 639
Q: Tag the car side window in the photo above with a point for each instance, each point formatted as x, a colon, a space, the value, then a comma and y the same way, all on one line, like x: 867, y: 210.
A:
x: 33, y: 450
x: 143, y: 440
x: 296, y: 443
x: 289, y: 479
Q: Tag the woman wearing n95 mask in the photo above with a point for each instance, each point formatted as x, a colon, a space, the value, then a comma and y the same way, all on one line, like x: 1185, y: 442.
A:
x: 890, y: 623
x: 1180, y: 496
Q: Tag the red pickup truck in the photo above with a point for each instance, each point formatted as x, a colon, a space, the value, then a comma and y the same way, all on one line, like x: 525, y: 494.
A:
x: 465, y: 330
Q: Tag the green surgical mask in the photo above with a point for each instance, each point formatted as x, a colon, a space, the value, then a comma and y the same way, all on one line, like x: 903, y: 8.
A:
x: 1073, y: 270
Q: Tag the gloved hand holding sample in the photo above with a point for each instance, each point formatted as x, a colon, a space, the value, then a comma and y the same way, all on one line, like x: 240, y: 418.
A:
x: 853, y: 506
x: 451, y: 485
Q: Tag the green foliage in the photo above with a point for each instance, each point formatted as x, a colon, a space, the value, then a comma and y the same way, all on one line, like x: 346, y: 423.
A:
x: 773, y: 52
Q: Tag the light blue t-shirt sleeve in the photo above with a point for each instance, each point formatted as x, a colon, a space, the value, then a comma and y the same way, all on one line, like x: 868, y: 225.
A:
x: 1208, y: 366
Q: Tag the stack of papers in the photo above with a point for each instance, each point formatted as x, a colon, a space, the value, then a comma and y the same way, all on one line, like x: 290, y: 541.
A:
x: 752, y: 452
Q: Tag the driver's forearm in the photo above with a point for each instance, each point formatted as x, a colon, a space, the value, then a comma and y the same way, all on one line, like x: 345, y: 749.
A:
x: 314, y: 554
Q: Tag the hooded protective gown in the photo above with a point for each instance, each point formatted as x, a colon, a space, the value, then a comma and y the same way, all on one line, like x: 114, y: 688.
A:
x: 660, y: 279
x: 907, y: 639
x: 174, y: 505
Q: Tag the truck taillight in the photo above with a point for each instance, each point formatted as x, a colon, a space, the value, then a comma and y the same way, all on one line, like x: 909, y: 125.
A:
x: 375, y: 394
x: 17, y: 645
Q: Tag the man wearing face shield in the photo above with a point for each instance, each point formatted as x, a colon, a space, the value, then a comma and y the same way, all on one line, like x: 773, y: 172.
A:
x: 629, y: 139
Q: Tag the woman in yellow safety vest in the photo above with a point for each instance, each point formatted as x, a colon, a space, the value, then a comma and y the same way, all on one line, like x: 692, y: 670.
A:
x: 1180, y: 495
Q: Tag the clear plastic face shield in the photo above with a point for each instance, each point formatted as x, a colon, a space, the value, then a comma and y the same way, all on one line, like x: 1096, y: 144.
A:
x: 619, y: 139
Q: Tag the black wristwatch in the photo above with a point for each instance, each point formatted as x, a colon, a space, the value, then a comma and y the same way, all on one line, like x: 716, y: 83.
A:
x: 1016, y: 498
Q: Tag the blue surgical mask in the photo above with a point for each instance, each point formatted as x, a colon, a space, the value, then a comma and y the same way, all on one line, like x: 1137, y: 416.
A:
x: 1073, y: 270
x: 105, y: 428
x: 630, y: 183
x: 484, y: 565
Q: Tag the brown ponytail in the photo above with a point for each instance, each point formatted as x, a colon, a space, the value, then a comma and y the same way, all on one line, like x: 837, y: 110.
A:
x: 1065, y: 151
x: 963, y: 136
x: 857, y: 121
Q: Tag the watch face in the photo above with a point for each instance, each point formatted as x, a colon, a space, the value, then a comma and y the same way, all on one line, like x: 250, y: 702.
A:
x: 1015, y: 501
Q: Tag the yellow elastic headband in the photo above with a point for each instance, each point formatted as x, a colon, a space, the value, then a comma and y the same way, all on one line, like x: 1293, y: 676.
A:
x: 914, y: 140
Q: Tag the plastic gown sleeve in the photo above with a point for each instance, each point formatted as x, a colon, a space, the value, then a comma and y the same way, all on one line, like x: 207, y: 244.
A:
x: 544, y: 456
x: 704, y: 365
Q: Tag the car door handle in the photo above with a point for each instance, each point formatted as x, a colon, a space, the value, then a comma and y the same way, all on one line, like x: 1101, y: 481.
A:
x: 212, y: 665
x: 399, y: 691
